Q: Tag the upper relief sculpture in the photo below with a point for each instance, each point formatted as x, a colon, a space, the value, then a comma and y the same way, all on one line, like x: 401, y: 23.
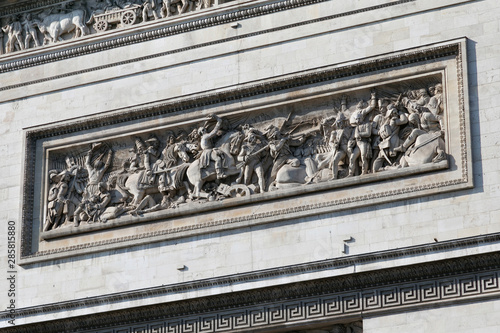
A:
x: 79, y: 18
x: 238, y: 156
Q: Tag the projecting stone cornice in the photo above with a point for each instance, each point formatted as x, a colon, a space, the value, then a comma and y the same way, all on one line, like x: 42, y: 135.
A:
x: 333, y: 298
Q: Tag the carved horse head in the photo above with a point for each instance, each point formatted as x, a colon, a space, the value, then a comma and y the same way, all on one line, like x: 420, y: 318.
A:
x: 182, y: 151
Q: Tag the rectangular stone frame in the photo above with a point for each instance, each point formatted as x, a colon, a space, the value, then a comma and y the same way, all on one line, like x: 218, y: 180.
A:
x: 446, y: 60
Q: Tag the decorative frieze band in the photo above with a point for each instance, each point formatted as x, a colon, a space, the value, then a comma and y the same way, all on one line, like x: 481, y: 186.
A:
x: 465, y: 279
x: 225, y: 17
x: 333, y: 307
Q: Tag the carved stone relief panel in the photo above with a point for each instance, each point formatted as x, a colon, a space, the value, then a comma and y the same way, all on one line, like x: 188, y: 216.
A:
x: 305, y: 148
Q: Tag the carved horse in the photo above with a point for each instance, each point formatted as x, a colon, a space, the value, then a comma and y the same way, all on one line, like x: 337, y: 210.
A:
x: 174, y: 179
x: 132, y: 184
x: 429, y: 147
x: 229, y: 144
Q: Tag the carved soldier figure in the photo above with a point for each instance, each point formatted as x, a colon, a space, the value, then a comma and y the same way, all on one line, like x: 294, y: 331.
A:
x: 339, y: 140
x: 167, y: 161
x: 279, y: 149
x: 193, y: 142
x: 182, y: 7
x: 435, y: 104
x: 57, y: 200
x: 151, y: 155
x: 204, y: 4
x: 389, y: 134
x: 148, y: 204
x: 91, y: 209
x: 96, y: 170
x: 208, y: 152
x: 251, y: 157
x: 415, y: 104
x: 13, y: 29
x: 306, y: 154
x: 428, y: 124
x: 29, y: 31
x: 76, y: 187
x: 148, y: 10
x: 435, y: 109
x: 430, y: 119
x: 359, y: 146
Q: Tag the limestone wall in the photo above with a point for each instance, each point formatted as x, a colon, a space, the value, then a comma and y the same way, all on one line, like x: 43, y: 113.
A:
x: 222, y: 57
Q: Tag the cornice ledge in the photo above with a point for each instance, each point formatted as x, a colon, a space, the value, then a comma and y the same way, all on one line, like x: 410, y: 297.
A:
x: 468, y: 270
x: 361, y: 280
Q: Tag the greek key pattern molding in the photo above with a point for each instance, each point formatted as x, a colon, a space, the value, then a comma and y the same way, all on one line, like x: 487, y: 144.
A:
x: 320, y: 287
x: 304, y: 303
x: 332, y: 306
x: 174, y: 30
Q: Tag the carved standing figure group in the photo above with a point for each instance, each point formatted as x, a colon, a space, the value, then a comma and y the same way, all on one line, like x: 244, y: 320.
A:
x: 219, y: 159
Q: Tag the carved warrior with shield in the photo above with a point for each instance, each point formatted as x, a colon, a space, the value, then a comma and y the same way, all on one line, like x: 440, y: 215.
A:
x: 223, y: 158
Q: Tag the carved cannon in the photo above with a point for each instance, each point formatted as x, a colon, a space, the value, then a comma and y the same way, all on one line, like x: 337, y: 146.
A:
x: 126, y: 17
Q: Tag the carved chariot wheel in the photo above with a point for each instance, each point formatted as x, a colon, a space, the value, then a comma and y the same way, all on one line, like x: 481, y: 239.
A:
x: 128, y: 18
x: 238, y: 190
x: 101, y: 26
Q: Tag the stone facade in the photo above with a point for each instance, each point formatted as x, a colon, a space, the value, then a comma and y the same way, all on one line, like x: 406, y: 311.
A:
x: 291, y: 230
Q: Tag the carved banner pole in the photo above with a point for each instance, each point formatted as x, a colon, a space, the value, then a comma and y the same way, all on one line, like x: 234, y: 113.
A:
x: 1, y: 42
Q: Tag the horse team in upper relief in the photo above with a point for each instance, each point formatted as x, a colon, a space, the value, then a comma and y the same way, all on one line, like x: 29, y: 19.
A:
x: 42, y: 27
x: 237, y: 158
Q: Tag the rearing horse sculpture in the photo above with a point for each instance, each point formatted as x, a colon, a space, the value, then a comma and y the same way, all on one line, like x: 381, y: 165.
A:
x: 130, y: 184
x: 229, y: 145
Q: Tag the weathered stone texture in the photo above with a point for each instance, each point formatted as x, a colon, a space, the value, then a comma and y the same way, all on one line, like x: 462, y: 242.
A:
x: 388, y: 226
